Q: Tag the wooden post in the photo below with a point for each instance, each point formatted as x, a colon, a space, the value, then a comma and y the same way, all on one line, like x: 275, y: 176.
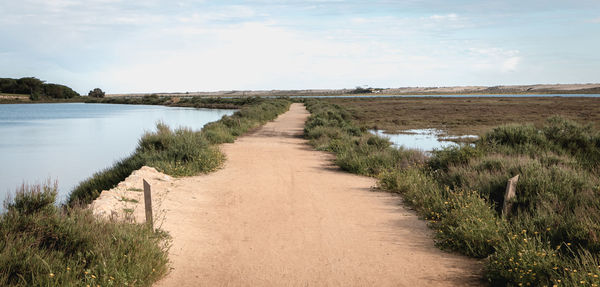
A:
x: 509, y: 194
x: 148, y: 204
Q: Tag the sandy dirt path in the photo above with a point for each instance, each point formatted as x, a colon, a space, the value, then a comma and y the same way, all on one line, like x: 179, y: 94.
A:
x: 280, y: 214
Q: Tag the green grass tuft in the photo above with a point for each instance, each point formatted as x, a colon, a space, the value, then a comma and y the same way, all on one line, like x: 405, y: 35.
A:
x: 44, y: 245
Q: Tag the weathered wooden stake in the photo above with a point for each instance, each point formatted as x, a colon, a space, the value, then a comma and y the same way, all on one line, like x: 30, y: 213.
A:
x: 148, y: 204
x: 509, y: 194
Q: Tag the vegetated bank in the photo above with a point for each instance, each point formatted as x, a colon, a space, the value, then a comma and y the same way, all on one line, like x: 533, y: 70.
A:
x: 195, y: 102
x: 46, y: 245
x: 551, y: 236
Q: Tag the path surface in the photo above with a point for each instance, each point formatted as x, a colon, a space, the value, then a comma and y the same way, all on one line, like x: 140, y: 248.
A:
x: 279, y: 214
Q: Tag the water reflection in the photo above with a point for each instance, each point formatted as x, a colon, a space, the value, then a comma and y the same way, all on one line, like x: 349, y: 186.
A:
x: 69, y: 142
x: 422, y: 139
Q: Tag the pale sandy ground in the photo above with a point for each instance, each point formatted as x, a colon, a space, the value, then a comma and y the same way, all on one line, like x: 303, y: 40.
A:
x: 280, y: 214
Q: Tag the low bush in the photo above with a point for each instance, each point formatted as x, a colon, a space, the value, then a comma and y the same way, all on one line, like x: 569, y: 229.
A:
x: 419, y: 190
x: 470, y: 225
x: 182, y: 152
x: 44, y: 245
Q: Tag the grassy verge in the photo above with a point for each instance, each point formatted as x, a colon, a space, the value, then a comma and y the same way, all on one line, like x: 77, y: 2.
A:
x: 551, y: 236
x: 44, y: 245
x: 181, y: 152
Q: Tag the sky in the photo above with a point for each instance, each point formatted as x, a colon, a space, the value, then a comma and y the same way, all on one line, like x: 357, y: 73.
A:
x: 193, y: 45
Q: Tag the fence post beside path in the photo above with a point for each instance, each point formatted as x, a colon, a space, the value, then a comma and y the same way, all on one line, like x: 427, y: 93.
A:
x: 148, y: 204
x: 509, y: 194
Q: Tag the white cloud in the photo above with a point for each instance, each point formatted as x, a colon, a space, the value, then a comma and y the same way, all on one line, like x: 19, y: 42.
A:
x: 495, y: 59
x: 155, y: 45
x: 596, y: 20
x: 448, y: 17
x: 254, y: 56
x: 510, y: 64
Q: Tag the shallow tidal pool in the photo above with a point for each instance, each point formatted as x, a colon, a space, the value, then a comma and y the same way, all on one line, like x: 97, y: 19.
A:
x: 422, y: 139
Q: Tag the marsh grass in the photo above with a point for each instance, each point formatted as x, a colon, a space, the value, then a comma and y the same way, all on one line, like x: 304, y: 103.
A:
x: 462, y: 116
x: 551, y: 236
x: 45, y: 245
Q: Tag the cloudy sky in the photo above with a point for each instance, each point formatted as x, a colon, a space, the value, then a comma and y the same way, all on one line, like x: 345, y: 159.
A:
x: 177, y: 46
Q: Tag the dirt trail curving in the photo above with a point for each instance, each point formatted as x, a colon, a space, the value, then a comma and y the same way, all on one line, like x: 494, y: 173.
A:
x: 280, y: 214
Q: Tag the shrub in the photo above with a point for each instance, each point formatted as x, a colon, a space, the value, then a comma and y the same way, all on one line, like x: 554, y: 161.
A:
x: 419, y: 190
x: 470, y: 226
x: 32, y: 199
x: 96, y: 93
x: 452, y: 155
x: 179, y: 153
x: 59, y: 91
x: 43, y: 245
x: 523, y: 259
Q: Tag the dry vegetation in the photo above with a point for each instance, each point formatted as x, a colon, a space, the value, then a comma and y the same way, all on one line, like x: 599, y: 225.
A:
x: 459, y: 116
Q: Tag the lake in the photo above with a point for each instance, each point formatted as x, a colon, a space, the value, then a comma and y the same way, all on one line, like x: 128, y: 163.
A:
x: 70, y: 142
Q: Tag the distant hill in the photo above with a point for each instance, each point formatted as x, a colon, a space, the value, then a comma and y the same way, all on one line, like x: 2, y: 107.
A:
x: 520, y: 89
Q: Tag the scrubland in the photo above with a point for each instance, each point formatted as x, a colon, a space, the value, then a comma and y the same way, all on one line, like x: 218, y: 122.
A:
x: 550, y: 236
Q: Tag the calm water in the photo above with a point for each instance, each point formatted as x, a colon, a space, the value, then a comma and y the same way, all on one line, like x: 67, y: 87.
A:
x: 422, y: 139
x: 69, y: 142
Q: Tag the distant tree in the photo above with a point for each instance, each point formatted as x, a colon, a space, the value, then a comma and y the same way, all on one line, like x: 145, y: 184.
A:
x: 8, y: 85
x: 36, y: 88
x: 361, y: 90
x: 56, y: 91
x: 29, y: 86
x: 96, y: 93
x: 34, y: 96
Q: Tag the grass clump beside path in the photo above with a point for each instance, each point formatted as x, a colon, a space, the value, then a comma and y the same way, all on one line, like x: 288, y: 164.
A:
x: 44, y: 245
x: 181, y: 152
x: 551, y: 236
